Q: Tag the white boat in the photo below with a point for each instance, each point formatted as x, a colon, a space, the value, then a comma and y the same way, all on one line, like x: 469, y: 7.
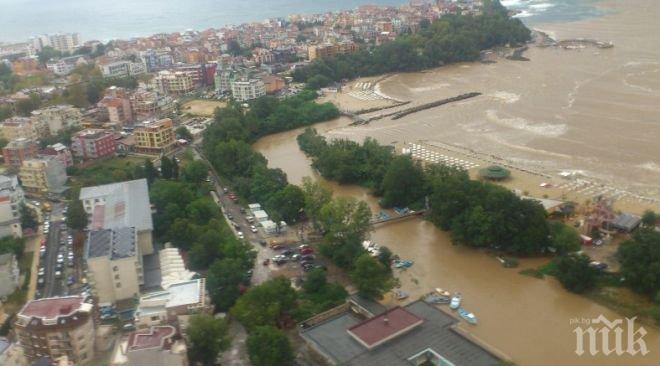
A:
x: 455, y: 301
x: 470, y: 317
x: 443, y: 293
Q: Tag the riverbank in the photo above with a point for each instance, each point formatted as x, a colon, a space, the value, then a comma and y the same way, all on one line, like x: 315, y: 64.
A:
x: 531, y: 311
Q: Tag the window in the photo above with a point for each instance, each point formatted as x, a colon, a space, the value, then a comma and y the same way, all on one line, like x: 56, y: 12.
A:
x: 118, y: 284
x: 154, y: 318
x: 116, y: 276
x: 115, y: 268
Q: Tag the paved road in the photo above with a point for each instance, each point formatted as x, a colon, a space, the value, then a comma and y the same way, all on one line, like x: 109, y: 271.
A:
x: 54, y: 286
x: 260, y: 273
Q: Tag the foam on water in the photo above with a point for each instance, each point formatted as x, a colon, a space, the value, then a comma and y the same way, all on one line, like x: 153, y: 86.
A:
x: 517, y: 123
x: 506, y: 97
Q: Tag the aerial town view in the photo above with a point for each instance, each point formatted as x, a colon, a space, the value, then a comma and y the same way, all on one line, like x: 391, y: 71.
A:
x: 348, y: 182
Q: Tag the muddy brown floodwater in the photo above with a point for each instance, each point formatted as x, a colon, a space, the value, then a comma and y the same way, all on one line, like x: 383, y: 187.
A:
x: 526, y: 318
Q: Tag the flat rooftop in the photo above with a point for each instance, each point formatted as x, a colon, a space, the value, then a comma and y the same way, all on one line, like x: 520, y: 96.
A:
x: 154, y: 337
x: 125, y: 204
x: 51, y: 308
x: 114, y: 243
x: 436, y: 333
x: 374, y: 331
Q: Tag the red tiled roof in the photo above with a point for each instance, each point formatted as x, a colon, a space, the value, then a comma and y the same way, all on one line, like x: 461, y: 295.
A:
x: 149, y: 338
x: 385, y: 326
x: 52, y: 307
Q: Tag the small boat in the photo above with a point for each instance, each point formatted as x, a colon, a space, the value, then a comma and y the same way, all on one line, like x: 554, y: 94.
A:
x: 470, y: 317
x: 455, y: 301
x: 400, y: 295
x: 443, y: 293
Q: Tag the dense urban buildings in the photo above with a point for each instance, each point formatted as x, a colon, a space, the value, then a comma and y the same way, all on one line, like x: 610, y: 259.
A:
x: 12, y: 198
x: 155, y: 346
x: 93, y: 144
x: 154, y: 137
x: 56, y: 327
x: 114, y: 264
x: 121, y: 205
x: 19, y: 150
x: 43, y: 175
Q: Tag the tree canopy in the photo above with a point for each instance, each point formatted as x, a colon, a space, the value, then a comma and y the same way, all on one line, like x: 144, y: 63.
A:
x: 208, y: 337
x: 268, y: 346
x: 266, y: 304
x: 371, y: 277
x: 575, y: 273
x: 450, y: 39
x: 76, y: 216
x: 640, y: 261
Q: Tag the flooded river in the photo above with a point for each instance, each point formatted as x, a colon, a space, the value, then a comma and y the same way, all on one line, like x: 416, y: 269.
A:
x: 526, y: 318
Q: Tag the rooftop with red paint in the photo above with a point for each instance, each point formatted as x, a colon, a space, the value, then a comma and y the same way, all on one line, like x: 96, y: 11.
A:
x: 52, y: 307
x: 155, y: 337
x: 384, y: 327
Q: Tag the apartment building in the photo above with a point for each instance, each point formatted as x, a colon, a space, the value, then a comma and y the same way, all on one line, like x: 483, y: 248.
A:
x: 17, y: 128
x: 224, y: 76
x: 119, y: 205
x: 11, y: 354
x: 43, y: 175
x: 156, y: 346
x: 147, y: 104
x: 122, y: 69
x: 177, y: 82
x: 50, y: 120
x: 156, y: 59
x: 11, y: 199
x: 114, y: 264
x: 327, y: 50
x: 56, y: 327
x: 154, y: 137
x: 19, y: 150
x: 93, y: 144
x: 248, y: 89
x: 65, y: 65
x: 60, y: 152
x: 63, y: 42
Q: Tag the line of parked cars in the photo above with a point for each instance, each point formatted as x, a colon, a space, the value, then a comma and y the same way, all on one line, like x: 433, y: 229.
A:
x: 304, y: 254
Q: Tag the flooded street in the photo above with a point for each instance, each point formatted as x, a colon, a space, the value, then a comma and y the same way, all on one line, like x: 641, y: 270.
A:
x: 526, y: 318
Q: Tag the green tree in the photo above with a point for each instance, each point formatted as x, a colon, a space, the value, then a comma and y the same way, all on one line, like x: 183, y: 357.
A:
x: 640, y: 261
x: 175, y: 169
x: 150, y: 171
x: 76, y: 217
x: 233, y: 47
x: 316, y: 196
x: 403, y: 182
x: 208, y: 337
x: 649, y: 218
x: 575, y: 273
x: 195, y: 171
x: 266, y: 304
x: 77, y: 95
x: 268, y: 346
x: 345, y: 222
x: 28, y: 217
x: 166, y: 168
x: 47, y: 53
x: 183, y: 133
x: 25, y: 106
x: 371, y: 278
x: 224, y: 280
x: 565, y: 239
x: 288, y: 203
x: 9, y: 244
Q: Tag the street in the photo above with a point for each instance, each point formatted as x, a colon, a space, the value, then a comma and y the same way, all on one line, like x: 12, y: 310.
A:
x: 56, y: 263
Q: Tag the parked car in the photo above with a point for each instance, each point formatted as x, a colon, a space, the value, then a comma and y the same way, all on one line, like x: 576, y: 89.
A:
x: 307, y: 251
x: 287, y: 252
x: 307, y: 257
x: 262, y: 243
x: 253, y: 229
x: 230, y: 216
x: 240, y: 235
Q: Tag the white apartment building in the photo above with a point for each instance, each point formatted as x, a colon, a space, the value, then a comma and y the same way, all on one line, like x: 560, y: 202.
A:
x: 123, y: 68
x: 248, y: 90
x: 120, y: 205
x: 114, y: 264
x: 65, y: 65
x: 63, y: 42
x: 9, y: 274
x: 11, y: 199
x: 56, y: 327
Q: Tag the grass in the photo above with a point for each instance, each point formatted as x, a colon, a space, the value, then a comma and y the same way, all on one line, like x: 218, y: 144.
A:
x: 106, y: 171
x: 545, y: 270
x: 627, y: 303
